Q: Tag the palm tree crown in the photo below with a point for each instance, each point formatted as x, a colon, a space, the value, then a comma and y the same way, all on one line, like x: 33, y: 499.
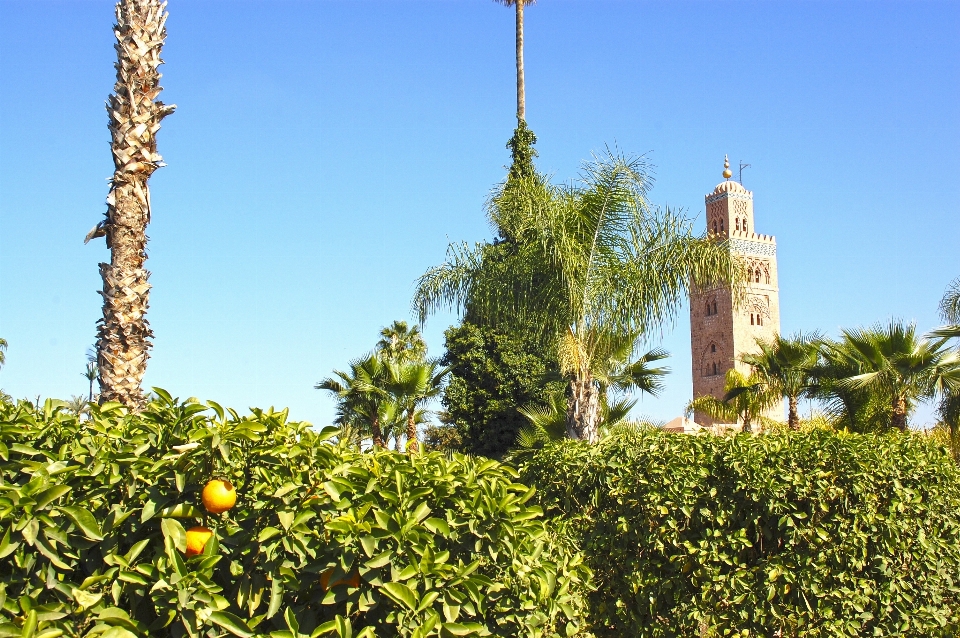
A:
x: 745, y: 401
x: 785, y: 365
x: 588, y: 263
x: 398, y: 342
x: 894, y: 362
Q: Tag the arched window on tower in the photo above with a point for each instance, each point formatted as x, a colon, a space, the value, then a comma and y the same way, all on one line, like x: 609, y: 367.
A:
x: 714, y: 226
x: 721, y: 225
x: 767, y: 274
x: 751, y: 318
x: 708, y: 309
x: 759, y: 319
x: 713, y: 347
x: 714, y: 307
x: 714, y: 367
x: 758, y: 275
x: 738, y: 223
x: 744, y: 224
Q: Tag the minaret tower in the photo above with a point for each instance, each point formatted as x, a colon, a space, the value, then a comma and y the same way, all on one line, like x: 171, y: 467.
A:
x: 719, y: 333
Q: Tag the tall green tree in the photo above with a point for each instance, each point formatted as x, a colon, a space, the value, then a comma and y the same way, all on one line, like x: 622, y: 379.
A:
x: 785, y: 365
x: 747, y: 398
x: 590, y: 261
x: 493, y: 374
x: 896, y: 363
x: 123, y: 335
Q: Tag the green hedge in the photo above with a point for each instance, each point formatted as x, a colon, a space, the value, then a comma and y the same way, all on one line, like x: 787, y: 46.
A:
x: 815, y: 534
x: 324, y: 540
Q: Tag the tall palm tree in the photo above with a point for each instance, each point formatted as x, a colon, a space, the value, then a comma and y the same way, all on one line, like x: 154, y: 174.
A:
x: 362, y: 401
x: 521, y: 89
x: 745, y: 401
x: 894, y: 362
x: 785, y: 366
x: 410, y: 385
x: 590, y: 262
x: 399, y: 342
x: 92, y: 371
x: 123, y: 335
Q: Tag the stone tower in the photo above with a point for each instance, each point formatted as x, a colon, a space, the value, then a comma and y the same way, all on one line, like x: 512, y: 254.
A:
x: 720, y: 333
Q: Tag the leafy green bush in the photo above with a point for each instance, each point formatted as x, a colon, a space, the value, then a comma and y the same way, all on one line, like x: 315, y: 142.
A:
x: 324, y: 539
x: 809, y: 534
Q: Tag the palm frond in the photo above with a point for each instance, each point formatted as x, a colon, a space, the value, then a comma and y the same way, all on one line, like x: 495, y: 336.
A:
x: 950, y: 304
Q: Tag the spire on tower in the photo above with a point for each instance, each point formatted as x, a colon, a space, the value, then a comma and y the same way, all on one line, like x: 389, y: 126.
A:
x: 727, y: 173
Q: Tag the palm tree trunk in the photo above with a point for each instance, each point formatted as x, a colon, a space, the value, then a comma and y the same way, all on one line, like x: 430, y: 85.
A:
x: 747, y: 422
x: 583, y: 410
x: 377, y: 433
x: 412, y: 445
x: 899, y: 416
x: 521, y: 97
x: 793, y: 419
x: 123, y: 335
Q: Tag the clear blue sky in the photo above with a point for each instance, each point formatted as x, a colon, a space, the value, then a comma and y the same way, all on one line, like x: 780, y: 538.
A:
x: 324, y: 153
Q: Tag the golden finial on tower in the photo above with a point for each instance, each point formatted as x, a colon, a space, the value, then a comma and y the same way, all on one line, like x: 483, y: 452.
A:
x: 727, y: 173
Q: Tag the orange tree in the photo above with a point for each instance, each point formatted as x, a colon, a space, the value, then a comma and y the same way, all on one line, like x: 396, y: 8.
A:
x: 324, y: 540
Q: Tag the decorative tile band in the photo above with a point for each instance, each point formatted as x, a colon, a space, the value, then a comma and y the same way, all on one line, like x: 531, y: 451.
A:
x: 746, y: 247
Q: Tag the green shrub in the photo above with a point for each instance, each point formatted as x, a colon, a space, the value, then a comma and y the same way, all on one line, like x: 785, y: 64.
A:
x: 324, y: 539
x: 811, y: 534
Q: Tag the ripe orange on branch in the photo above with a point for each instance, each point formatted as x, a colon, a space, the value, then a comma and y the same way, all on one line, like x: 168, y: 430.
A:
x: 218, y: 496
x: 197, y: 538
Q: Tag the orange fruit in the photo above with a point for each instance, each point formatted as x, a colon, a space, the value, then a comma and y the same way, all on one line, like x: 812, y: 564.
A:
x: 197, y: 538
x: 218, y: 496
x: 352, y: 580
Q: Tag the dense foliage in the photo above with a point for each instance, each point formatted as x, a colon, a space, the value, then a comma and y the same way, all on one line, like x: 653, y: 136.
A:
x: 804, y: 534
x: 493, y: 374
x: 324, y: 540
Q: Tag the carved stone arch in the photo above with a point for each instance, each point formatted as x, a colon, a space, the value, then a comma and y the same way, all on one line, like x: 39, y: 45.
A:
x: 759, y: 304
x: 712, y: 360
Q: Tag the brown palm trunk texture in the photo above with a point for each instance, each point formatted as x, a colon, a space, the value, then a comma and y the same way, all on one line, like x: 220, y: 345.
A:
x: 412, y: 446
x: 123, y: 334
x: 899, y: 417
x: 583, y: 410
x: 377, y: 433
x: 793, y: 419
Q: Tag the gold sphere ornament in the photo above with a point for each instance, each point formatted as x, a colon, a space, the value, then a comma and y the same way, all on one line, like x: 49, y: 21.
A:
x: 727, y: 173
